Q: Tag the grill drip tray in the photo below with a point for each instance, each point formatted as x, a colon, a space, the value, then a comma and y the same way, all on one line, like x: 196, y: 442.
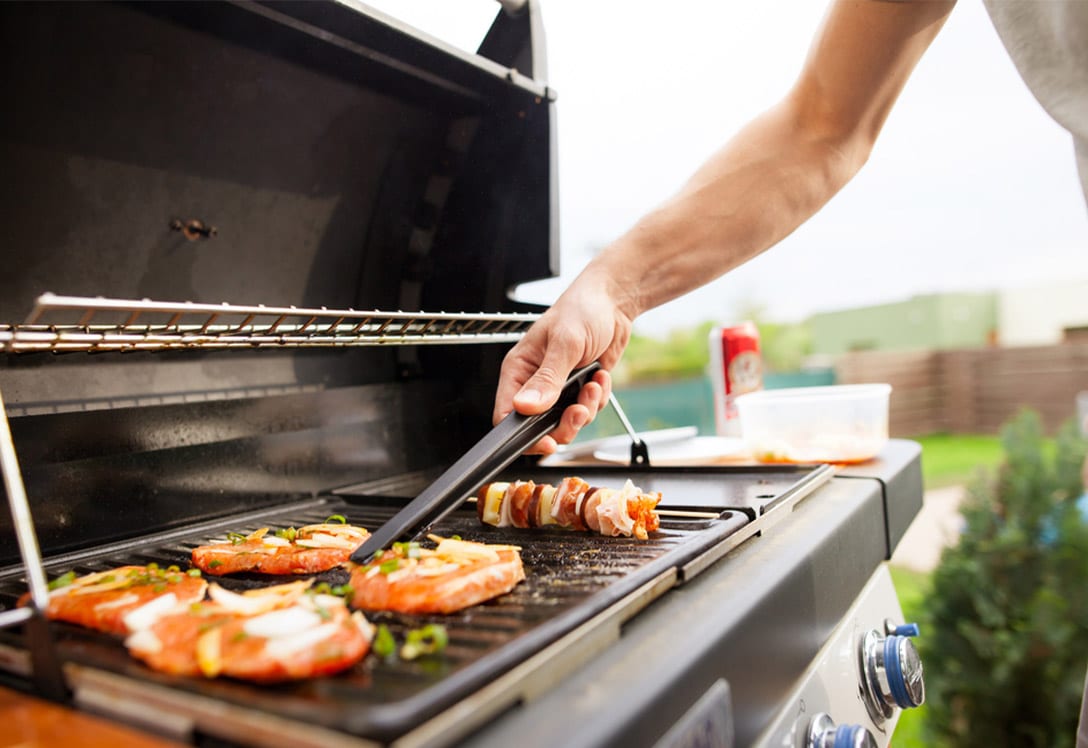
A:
x: 576, y: 584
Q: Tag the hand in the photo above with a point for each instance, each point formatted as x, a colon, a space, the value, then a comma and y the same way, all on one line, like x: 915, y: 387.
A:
x: 583, y: 326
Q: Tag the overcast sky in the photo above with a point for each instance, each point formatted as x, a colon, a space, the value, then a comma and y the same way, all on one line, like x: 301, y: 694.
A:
x: 971, y: 185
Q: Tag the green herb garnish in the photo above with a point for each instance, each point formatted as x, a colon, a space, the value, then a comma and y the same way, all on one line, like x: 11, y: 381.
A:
x: 430, y: 639
x: 236, y: 537
x: 408, y: 550
x: 196, y: 572
x: 388, y: 567
x: 383, y: 644
x: 288, y: 533
x: 214, y: 564
x: 339, y: 518
x: 63, y: 580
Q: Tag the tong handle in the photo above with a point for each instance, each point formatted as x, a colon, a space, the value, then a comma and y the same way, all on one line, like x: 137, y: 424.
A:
x: 497, y: 449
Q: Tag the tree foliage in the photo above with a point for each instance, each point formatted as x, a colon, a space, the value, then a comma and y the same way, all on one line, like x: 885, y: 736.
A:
x: 685, y: 353
x: 1007, y: 642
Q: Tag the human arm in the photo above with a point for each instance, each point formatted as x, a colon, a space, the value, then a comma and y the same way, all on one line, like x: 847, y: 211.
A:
x: 774, y: 174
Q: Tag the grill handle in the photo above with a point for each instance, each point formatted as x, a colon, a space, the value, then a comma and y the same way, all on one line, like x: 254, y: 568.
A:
x: 497, y: 449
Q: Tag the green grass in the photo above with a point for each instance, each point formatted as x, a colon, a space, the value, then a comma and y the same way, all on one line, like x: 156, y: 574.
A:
x: 956, y: 459
x: 912, y: 588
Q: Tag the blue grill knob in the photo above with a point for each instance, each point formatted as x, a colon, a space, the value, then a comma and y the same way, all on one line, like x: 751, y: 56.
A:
x: 891, y: 671
x: 822, y: 733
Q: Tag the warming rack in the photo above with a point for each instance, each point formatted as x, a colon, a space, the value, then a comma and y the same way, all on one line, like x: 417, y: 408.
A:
x: 62, y: 324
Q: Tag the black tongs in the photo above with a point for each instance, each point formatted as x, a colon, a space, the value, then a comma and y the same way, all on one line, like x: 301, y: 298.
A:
x: 499, y: 447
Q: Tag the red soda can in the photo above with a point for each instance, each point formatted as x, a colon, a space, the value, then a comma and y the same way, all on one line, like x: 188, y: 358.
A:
x: 736, y: 367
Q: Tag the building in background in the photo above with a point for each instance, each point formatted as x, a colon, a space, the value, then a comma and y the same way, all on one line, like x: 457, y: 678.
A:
x: 1043, y: 315
x: 1030, y: 316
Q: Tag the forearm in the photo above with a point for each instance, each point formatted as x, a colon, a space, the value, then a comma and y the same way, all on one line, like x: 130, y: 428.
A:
x: 765, y: 182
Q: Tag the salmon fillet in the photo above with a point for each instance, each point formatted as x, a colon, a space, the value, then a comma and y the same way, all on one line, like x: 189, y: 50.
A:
x: 269, y: 635
x: 105, y: 599
x: 455, y: 575
x: 308, y: 550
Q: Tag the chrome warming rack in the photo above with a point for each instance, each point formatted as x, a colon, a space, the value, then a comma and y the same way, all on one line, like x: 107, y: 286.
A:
x: 63, y: 324
x: 70, y: 324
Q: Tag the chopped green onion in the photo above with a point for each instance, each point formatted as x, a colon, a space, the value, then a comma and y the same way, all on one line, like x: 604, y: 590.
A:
x: 455, y: 537
x: 336, y: 518
x: 236, y: 537
x: 430, y: 639
x: 343, y: 590
x: 214, y: 563
x: 63, y: 580
x: 408, y: 550
x: 288, y: 533
x: 383, y: 644
x: 388, y: 567
x: 196, y: 572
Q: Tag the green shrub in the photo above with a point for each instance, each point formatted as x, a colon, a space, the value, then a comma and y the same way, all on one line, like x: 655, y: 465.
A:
x: 1006, y: 644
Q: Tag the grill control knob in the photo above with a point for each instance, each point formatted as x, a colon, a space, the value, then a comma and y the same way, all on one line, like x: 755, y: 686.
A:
x: 891, y: 671
x: 822, y: 733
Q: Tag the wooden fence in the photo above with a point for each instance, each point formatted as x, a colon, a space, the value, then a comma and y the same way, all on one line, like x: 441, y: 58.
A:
x: 974, y: 390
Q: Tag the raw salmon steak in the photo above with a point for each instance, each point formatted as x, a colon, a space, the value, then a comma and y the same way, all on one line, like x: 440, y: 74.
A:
x: 275, y: 634
x: 109, y: 600
x: 454, y: 575
x: 307, y: 550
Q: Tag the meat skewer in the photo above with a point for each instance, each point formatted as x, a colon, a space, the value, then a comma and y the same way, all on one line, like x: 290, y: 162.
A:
x: 573, y: 504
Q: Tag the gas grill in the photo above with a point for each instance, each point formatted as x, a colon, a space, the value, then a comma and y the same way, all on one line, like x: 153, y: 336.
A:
x: 232, y: 197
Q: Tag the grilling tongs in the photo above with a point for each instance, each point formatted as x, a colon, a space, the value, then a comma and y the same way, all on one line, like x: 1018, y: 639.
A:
x: 499, y: 447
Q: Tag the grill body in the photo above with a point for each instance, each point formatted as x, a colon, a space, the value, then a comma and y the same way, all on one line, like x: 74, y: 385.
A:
x: 324, y: 160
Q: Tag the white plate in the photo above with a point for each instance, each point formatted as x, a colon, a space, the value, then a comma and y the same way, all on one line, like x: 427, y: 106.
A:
x: 623, y: 441
x: 696, y: 450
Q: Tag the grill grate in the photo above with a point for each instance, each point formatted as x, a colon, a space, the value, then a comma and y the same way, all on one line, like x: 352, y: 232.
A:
x: 569, y: 578
x: 70, y: 323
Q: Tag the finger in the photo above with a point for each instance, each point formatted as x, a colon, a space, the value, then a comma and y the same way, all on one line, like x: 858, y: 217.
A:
x: 590, y: 397
x: 541, y: 390
x: 604, y: 379
x: 570, y: 423
x: 545, y: 446
x: 516, y: 369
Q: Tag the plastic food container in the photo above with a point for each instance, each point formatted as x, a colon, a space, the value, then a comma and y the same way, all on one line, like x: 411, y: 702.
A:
x: 840, y: 423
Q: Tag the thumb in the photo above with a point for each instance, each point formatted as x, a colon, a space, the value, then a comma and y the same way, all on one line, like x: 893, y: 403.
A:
x: 542, y: 389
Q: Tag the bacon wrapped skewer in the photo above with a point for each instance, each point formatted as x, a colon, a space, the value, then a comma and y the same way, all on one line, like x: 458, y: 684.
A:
x: 573, y: 504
